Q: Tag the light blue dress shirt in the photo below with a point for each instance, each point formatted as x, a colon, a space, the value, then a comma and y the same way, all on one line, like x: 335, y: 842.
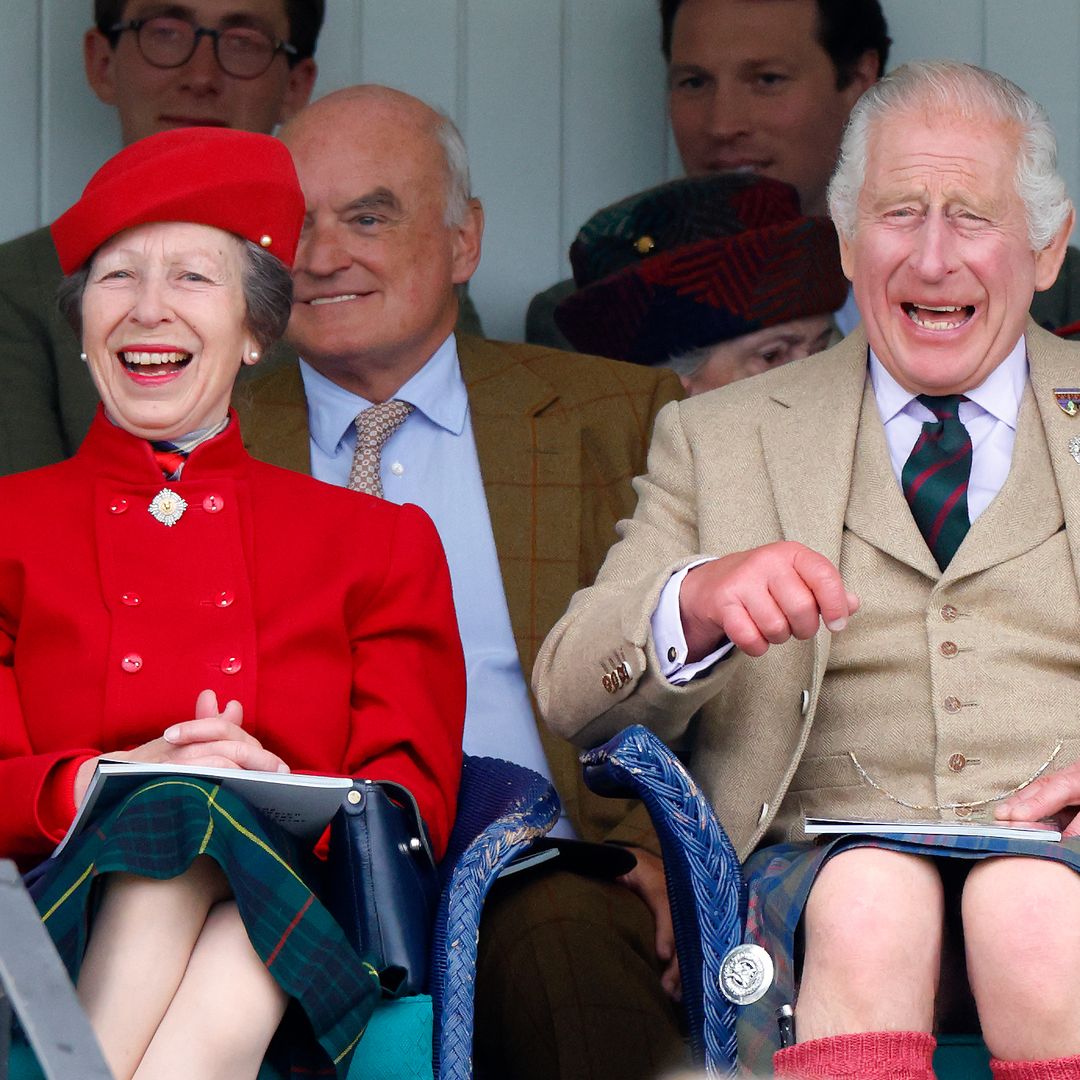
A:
x: 431, y: 461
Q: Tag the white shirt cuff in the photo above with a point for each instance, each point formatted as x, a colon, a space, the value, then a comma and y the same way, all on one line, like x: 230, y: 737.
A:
x: 668, y: 636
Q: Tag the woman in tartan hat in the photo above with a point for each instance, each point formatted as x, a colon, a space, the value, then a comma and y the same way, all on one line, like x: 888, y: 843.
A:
x: 165, y: 598
x: 717, y: 277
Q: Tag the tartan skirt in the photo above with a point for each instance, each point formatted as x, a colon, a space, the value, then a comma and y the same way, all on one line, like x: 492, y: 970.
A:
x: 779, y: 879
x: 156, y: 832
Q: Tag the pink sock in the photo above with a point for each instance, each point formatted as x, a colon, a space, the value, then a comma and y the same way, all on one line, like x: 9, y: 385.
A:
x: 871, y: 1055
x: 1066, y: 1068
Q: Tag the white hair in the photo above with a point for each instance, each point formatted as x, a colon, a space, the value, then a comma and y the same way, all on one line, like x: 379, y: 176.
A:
x: 458, y: 183
x: 949, y: 87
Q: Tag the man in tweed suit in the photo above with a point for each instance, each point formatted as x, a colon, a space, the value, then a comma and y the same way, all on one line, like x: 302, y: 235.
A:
x: 863, y: 640
x: 523, y: 457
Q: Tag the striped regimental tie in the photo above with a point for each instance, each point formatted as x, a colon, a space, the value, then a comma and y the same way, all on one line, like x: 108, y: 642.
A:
x: 935, y: 478
x: 373, y: 427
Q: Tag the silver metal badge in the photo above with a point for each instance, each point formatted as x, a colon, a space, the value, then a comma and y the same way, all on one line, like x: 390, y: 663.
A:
x: 1074, y: 448
x: 167, y: 507
x: 746, y: 974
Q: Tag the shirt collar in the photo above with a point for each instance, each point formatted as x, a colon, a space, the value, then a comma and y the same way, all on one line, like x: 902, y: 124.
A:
x: 437, y: 390
x: 998, y: 394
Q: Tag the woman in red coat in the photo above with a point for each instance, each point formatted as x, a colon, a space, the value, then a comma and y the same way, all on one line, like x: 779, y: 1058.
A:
x: 161, y: 572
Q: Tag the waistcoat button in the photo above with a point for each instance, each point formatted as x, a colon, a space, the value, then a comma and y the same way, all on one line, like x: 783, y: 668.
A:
x: 949, y: 613
x: 952, y: 704
x: 957, y: 762
x: 949, y: 648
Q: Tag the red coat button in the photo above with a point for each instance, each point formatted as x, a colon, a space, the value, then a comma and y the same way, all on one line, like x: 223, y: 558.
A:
x: 213, y: 503
x: 118, y: 506
x: 132, y: 662
x: 225, y: 598
x: 131, y: 599
x: 231, y: 665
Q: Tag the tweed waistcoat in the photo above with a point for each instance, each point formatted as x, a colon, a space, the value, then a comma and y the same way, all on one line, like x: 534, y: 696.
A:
x: 987, y: 651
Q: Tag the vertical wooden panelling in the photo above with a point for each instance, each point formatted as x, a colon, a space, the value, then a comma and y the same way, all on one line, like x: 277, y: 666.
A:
x: 1041, y: 55
x: 411, y: 45
x: 613, y: 112
x: 512, y: 125
x: 79, y: 133
x: 338, y: 53
x: 20, y: 119
x: 931, y: 29
x: 561, y: 103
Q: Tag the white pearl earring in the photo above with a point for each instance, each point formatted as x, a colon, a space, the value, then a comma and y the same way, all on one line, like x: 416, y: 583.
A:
x: 83, y: 357
x: 254, y: 354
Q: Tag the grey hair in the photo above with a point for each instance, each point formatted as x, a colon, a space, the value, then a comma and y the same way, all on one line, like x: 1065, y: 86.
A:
x: 267, y: 286
x: 974, y: 94
x: 458, y: 183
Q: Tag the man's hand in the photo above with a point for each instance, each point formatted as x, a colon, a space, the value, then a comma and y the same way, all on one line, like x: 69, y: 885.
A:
x: 762, y: 597
x: 1055, y: 796
x: 213, y: 738
x: 648, y: 881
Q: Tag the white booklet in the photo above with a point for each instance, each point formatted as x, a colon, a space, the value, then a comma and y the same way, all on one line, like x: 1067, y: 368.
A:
x: 814, y: 826
x: 300, y: 803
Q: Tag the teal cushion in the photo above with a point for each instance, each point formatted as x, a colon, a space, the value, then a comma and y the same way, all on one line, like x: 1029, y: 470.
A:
x: 22, y: 1064
x: 961, y: 1057
x: 396, y: 1045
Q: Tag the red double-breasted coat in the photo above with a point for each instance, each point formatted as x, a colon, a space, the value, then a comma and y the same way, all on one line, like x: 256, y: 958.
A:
x: 328, y: 615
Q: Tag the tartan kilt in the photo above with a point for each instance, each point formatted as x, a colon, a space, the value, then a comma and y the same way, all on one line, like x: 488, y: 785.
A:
x: 156, y: 832
x: 779, y: 879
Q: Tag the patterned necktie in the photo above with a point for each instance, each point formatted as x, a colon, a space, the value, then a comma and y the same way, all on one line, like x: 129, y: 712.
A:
x: 935, y: 478
x: 170, y: 460
x: 373, y: 427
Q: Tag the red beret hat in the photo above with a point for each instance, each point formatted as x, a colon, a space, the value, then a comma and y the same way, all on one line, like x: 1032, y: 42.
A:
x: 238, y: 181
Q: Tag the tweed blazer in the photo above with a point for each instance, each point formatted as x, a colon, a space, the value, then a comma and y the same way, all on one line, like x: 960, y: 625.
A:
x: 559, y: 437
x: 767, y: 459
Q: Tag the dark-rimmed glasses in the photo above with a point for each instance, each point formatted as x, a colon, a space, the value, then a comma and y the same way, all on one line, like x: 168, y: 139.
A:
x: 241, y: 51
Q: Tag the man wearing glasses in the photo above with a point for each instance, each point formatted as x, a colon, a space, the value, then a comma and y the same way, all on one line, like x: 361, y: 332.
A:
x: 244, y: 64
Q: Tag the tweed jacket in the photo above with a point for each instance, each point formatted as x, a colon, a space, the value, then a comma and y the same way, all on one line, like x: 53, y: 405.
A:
x: 47, y: 398
x: 111, y: 623
x: 767, y: 459
x: 559, y: 437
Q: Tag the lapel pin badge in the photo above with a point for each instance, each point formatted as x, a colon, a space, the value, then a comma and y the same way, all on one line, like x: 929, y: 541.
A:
x: 1074, y: 448
x: 1068, y: 399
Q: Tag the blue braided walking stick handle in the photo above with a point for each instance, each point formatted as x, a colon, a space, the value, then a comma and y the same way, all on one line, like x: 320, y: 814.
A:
x: 704, y: 879
x: 502, y: 809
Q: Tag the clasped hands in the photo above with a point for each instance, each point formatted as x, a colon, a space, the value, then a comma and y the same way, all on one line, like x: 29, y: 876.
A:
x: 770, y: 594
x: 214, y: 738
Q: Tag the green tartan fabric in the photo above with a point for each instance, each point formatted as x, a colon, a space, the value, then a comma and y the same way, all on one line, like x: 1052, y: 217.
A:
x: 778, y: 883
x: 156, y: 832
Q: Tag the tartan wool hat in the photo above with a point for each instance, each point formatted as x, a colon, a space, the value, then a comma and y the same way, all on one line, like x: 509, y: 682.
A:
x: 238, y: 181
x: 695, y: 262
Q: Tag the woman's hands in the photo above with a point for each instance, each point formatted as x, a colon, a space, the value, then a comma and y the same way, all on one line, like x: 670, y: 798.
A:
x: 213, y: 738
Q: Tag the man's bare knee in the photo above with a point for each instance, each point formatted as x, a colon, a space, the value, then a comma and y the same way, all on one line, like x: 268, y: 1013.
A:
x: 874, y: 924
x: 1023, y: 954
